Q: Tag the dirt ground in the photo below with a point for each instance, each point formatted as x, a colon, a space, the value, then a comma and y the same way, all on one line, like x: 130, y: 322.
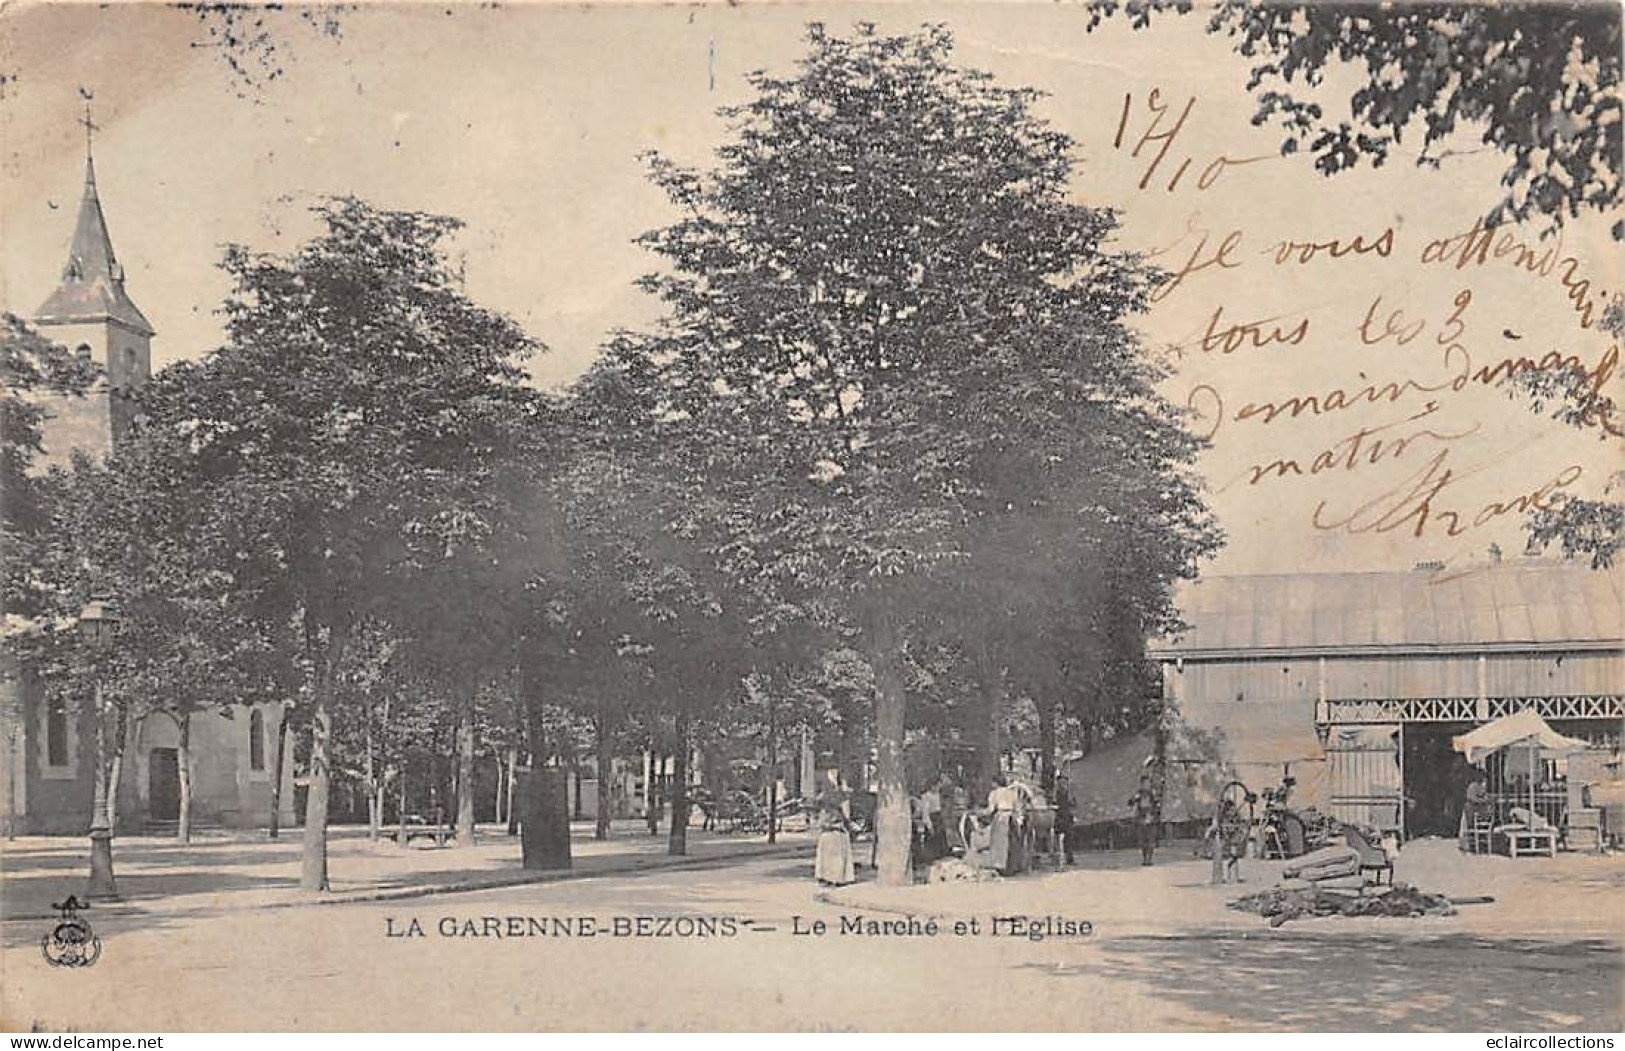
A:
x: 1162, y: 953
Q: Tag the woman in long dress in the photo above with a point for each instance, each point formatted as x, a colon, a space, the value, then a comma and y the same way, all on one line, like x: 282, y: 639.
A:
x: 1005, y: 845
x: 833, y: 865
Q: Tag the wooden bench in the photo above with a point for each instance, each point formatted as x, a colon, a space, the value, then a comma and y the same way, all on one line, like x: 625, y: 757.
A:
x: 1528, y: 842
x: 439, y: 833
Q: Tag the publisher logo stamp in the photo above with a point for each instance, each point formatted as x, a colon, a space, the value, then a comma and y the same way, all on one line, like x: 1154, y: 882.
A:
x: 71, y: 942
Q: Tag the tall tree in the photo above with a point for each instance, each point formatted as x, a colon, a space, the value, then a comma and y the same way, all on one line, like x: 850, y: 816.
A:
x: 347, y: 434
x: 643, y: 603
x: 883, y: 267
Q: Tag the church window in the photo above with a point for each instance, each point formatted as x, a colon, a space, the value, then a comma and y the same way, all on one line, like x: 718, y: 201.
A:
x: 256, y: 741
x: 56, y: 734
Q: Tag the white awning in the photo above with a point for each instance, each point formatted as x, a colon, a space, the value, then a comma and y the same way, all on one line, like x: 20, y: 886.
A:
x: 1526, y: 729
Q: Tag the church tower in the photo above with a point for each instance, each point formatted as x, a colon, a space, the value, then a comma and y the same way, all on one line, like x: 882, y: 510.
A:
x: 91, y: 314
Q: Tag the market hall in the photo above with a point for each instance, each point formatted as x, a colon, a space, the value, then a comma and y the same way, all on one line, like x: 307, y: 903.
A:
x: 1357, y: 687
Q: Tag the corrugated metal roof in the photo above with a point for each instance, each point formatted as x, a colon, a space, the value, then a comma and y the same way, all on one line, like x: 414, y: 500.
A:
x: 1529, y: 601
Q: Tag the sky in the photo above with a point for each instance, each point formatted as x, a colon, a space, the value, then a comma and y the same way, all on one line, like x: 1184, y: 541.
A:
x: 527, y: 122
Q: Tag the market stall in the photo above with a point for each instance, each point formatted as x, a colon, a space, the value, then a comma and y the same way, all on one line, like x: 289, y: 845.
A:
x: 1521, y: 754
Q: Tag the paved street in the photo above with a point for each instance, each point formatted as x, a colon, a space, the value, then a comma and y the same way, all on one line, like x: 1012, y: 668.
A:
x: 718, y: 951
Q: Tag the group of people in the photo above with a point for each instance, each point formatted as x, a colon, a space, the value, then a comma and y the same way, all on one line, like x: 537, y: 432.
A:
x: 936, y: 834
x: 1004, y: 836
x: 935, y: 812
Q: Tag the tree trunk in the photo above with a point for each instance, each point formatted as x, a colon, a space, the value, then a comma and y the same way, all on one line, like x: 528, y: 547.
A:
x: 313, y: 863
x: 183, y: 757
x: 400, y: 797
x: 375, y: 797
x: 115, y: 774
x: 276, y: 773
x: 371, y: 781
x: 575, y: 771
x: 129, y: 743
x: 465, y: 772
x: 1046, y: 745
x: 513, y: 783
x: 544, y: 825
x: 604, y: 740
x: 497, y: 816
x: 807, y: 774
x: 1160, y: 750
x: 986, y: 739
x: 893, y: 826
x: 655, y: 774
x: 677, y: 838
x: 772, y: 773
x: 13, y: 743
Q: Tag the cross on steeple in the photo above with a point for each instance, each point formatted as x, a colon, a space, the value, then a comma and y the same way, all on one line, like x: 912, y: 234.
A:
x: 92, y: 288
x: 90, y: 125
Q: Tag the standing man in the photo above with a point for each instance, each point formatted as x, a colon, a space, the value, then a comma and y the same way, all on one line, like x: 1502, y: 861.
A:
x: 1147, y: 816
x: 1065, y: 818
x: 936, y: 829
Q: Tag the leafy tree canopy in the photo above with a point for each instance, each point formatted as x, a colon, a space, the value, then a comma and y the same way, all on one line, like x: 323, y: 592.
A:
x: 1538, y: 80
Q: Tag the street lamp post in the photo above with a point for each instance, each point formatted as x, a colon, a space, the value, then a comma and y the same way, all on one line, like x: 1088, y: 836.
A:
x: 98, y: 621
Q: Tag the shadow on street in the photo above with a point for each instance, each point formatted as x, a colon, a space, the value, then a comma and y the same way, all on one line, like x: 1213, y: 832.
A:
x: 1461, y: 983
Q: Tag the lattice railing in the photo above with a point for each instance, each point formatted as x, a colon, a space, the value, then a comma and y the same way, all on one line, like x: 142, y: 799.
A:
x: 1466, y: 709
x: 1595, y: 706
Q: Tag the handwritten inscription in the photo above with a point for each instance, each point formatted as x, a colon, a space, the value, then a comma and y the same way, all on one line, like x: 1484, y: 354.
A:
x: 1162, y: 139
x: 1208, y: 403
x: 1365, y: 447
x: 1227, y: 339
x: 1308, y: 251
x: 1415, y: 504
x: 1396, y: 326
x: 1482, y: 244
x: 1399, y: 370
x: 1224, y: 256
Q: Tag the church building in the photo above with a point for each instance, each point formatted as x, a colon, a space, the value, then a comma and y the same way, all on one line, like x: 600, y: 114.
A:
x: 47, y: 754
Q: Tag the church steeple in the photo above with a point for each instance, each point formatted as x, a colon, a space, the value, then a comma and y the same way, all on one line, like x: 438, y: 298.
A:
x: 91, y: 313
x: 92, y: 285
